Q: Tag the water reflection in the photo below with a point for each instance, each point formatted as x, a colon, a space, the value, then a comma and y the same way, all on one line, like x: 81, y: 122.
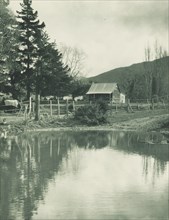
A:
x: 84, y: 175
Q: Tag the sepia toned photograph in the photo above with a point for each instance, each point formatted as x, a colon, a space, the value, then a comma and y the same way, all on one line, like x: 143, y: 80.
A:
x: 84, y: 109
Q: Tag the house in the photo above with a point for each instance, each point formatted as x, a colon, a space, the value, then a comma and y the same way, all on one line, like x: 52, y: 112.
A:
x: 105, y: 91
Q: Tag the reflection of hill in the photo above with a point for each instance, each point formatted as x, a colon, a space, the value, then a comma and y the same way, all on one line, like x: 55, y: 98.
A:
x: 147, y: 144
x: 141, y: 143
x: 29, y: 162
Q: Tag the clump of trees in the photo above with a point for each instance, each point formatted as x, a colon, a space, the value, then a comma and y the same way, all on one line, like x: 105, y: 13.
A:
x: 150, y: 79
x: 9, y: 67
x: 155, y: 80
x: 94, y: 114
x: 29, y: 62
x: 74, y: 58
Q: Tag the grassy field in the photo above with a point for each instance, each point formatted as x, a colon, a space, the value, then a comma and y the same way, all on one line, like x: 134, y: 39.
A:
x: 140, y: 120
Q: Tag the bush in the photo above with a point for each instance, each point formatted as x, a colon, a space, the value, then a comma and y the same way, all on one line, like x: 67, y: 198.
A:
x: 94, y: 114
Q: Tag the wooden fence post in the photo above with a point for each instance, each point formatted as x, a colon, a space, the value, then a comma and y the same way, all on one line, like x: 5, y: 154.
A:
x: 73, y: 106
x: 152, y: 104
x: 39, y: 104
x: 25, y: 111
x: 116, y: 107
x: 111, y: 107
x: 33, y: 107
x: 51, y: 113
x: 66, y: 107
x: 30, y: 105
x: 148, y: 104
x: 58, y: 106
x: 163, y: 103
x: 128, y: 105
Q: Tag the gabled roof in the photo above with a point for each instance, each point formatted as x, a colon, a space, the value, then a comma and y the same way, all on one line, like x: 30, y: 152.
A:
x: 102, y: 88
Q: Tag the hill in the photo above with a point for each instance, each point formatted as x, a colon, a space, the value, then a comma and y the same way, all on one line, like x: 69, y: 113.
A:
x: 141, y: 80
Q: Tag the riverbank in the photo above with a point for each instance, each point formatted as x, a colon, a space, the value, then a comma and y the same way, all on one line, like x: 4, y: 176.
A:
x: 138, y: 121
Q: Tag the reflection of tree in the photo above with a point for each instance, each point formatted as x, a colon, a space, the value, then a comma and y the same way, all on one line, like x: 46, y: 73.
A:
x: 146, y: 144
x: 29, y: 162
x: 156, y: 166
x: 139, y: 143
x: 71, y: 163
x: 94, y: 139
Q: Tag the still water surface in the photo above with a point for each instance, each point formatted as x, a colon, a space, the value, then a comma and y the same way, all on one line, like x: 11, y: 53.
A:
x: 84, y: 175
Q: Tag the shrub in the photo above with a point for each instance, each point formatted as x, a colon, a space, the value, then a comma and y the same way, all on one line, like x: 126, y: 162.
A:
x: 94, y: 114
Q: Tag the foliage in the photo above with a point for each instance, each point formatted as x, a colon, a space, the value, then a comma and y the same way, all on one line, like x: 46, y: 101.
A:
x: 53, y: 78
x: 94, y: 114
x: 79, y: 88
x: 43, y: 70
x: 30, y: 39
x: 9, y: 67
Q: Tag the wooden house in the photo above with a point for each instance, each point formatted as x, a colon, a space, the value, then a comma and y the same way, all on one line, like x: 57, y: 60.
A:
x: 105, y: 91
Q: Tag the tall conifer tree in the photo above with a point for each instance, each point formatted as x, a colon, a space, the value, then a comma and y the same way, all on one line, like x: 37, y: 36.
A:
x: 8, y: 50
x: 30, y: 39
x: 42, y: 67
x: 54, y: 78
x: 4, y: 32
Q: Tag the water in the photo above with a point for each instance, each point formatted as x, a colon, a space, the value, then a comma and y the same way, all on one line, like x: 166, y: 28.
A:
x: 84, y: 175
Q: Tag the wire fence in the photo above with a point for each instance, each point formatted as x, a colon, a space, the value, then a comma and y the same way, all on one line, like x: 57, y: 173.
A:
x: 66, y: 107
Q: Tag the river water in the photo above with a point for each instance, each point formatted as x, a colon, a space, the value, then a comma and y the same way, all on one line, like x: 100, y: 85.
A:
x: 84, y: 175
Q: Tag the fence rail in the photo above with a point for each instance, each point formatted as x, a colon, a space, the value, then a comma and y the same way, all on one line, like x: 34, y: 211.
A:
x: 57, y: 107
x: 67, y: 107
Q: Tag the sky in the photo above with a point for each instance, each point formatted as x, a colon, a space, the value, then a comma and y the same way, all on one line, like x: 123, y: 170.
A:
x: 111, y: 33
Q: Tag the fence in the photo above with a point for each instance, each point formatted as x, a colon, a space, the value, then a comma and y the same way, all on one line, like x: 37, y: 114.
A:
x: 57, y: 107
x: 61, y: 107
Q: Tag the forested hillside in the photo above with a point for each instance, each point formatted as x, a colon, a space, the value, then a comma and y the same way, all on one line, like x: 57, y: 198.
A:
x: 140, y: 81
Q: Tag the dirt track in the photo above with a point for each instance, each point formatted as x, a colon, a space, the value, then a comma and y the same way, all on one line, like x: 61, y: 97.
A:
x: 145, y: 123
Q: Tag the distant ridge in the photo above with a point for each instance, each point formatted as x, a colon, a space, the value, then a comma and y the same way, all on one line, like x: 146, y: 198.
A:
x: 124, y: 76
x: 117, y: 74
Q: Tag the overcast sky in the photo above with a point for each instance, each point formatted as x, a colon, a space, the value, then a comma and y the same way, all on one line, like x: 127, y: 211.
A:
x: 111, y: 33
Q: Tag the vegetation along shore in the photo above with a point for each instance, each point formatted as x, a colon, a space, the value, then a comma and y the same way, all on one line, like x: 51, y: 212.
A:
x: 138, y: 121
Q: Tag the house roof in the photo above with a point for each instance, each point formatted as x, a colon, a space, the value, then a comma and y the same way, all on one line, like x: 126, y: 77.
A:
x: 102, y: 88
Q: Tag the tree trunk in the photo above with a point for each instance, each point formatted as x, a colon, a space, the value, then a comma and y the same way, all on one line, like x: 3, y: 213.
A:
x: 28, y: 92
x: 37, y: 102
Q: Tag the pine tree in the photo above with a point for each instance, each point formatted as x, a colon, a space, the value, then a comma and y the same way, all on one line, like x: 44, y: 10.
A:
x: 54, y: 78
x: 8, y: 45
x: 3, y: 36
x: 43, y: 70
x: 30, y: 39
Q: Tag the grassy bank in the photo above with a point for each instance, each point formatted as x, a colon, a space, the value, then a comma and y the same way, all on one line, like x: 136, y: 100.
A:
x: 140, y: 121
x: 143, y: 120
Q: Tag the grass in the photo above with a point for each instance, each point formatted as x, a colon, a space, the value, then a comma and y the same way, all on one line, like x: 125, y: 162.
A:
x: 124, y: 116
x: 139, y: 120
